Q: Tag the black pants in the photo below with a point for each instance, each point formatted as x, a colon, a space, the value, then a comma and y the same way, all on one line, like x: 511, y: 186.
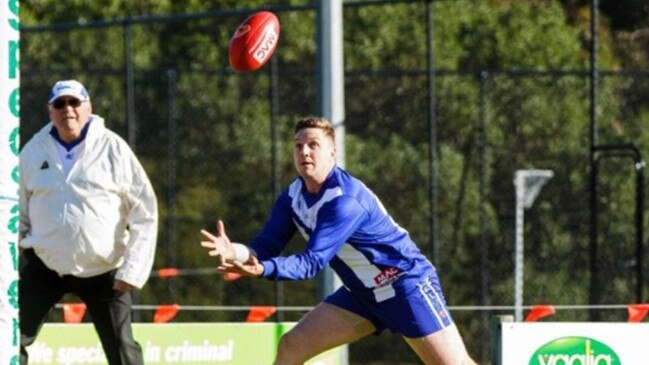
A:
x: 41, y: 288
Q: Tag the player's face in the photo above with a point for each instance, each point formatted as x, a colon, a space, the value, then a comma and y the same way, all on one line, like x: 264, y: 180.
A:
x: 69, y: 115
x: 314, y: 155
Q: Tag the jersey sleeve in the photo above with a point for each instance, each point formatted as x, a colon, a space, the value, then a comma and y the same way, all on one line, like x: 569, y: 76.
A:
x: 337, y: 221
x: 142, y: 220
x: 24, y: 193
x: 279, y: 229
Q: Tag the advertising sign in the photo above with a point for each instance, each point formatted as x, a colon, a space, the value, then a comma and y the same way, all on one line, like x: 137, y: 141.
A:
x: 181, y: 343
x: 9, y: 143
x: 569, y: 343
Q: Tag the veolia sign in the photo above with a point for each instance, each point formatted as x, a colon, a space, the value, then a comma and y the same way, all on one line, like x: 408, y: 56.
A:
x: 575, y: 351
x: 574, y: 343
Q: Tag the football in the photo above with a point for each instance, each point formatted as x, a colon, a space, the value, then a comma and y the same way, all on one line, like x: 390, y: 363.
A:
x: 254, y: 42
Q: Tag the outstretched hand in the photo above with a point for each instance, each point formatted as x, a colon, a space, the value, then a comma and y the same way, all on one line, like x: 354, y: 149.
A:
x: 219, y: 245
x: 222, y: 248
x: 251, y: 267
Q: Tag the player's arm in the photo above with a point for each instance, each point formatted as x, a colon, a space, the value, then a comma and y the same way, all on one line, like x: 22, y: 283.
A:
x: 337, y: 221
x: 241, y: 259
x: 278, y: 230
x: 269, y: 243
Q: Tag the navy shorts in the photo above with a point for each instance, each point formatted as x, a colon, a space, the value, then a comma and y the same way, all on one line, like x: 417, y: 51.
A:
x: 418, y: 313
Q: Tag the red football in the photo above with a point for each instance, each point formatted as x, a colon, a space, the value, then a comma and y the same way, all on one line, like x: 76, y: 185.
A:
x: 254, y: 41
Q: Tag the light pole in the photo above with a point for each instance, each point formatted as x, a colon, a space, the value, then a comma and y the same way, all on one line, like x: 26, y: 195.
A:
x: 528, y: 183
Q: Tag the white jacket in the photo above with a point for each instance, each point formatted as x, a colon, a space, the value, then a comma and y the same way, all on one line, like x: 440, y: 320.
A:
x: 102, y: 216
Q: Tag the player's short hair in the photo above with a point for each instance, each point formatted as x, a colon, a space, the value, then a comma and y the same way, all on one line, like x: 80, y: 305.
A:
x: 316, y: 122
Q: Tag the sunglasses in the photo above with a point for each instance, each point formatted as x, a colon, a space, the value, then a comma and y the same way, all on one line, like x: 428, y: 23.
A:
x: 61, y: 103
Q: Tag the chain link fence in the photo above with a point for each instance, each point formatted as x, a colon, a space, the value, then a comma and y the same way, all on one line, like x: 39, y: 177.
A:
x: 217, y: 144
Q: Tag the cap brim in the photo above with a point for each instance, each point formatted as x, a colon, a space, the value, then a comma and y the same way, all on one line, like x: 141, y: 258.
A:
x: 67, y: 93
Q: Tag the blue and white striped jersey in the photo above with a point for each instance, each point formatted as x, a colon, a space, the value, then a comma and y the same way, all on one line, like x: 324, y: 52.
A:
x: 346, y: 226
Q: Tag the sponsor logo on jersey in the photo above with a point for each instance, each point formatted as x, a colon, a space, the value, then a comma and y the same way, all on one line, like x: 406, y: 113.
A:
x: 387, y: 276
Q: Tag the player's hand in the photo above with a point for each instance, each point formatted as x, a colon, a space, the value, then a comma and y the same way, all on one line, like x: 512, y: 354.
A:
x: 252, y: 267
x: 219, y: 245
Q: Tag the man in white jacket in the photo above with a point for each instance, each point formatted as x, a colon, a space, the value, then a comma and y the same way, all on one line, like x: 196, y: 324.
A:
x: 88, y: 223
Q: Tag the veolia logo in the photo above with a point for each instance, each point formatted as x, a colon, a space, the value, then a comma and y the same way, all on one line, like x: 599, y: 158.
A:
x: 575, y: 351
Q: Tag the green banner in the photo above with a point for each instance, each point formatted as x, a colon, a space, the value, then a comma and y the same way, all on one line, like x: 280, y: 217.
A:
x: 181, y: 343
x: 9, y: 143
